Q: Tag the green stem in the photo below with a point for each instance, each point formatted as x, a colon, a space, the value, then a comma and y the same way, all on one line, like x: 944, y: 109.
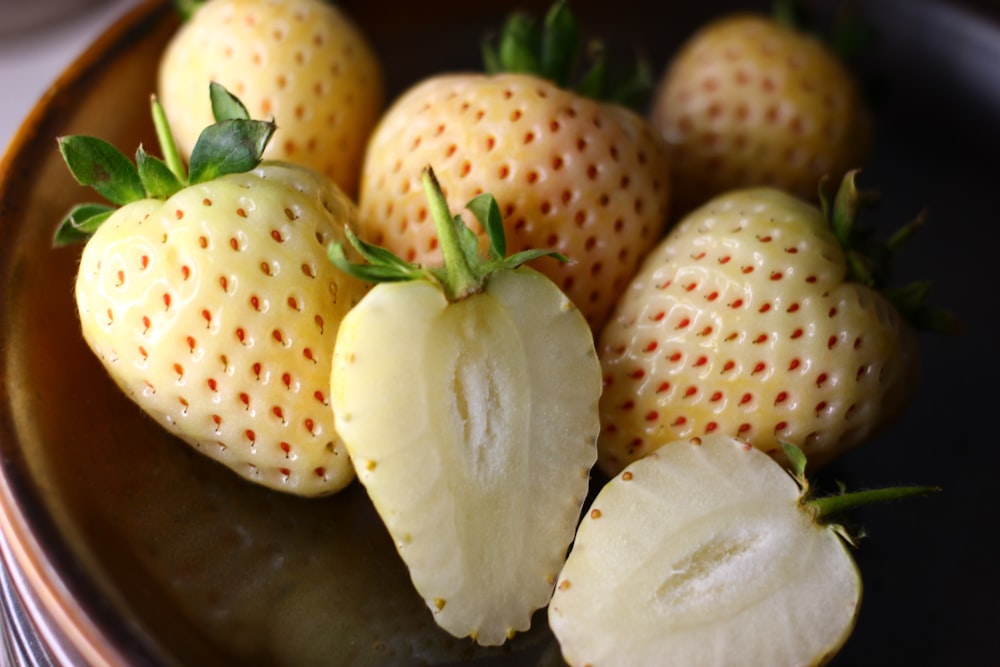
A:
x: 822, y: 508
x: 171, y: 156
x: 460, y: 277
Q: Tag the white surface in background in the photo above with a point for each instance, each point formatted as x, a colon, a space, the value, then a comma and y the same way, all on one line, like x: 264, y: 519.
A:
x: 32, y: 59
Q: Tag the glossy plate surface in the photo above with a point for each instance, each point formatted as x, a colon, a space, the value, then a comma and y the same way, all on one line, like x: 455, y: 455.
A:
x: 137, y: 550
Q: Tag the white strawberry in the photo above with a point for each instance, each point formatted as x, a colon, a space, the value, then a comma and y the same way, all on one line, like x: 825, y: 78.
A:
x: 707, y: 552
x: 571, y: 172
x: 304, y: 62
x: 467, y: 398
x: 762, y: 317
x: 210, y: 300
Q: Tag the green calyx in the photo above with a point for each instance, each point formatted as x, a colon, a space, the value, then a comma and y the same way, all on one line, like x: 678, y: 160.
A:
x: 868, y: 257
x: 465, y: 269
x: 551, y: 50
x: 233, y: 144
x: 824, y: 509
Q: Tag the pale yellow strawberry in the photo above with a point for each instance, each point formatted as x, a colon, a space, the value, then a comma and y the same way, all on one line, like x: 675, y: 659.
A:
x: 748, y: 101
x: 745, y: 321
x: 210, y: 301
x: 584, y: 177
x: 304, y: 62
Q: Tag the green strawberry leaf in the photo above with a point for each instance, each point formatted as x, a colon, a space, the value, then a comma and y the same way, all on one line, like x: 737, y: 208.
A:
x: 98, y: 164
x: 375, y: 270
x: 225, y: 105
x: 594, y: 80
x: 80, y: 223
x: 487, y: 212
x: 229, y: 147
x: 557, y: 51
x: 519, y: 43
x: 157, y: 178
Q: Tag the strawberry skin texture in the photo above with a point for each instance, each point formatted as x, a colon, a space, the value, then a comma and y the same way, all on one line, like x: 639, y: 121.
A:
x: 216, y: 312
x: 301, y: 61
x: 586, y: 179
x: 749, y: 102
x: 741, y: 323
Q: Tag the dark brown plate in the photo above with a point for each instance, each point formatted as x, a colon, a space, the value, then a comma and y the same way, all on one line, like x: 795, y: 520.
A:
x: 129, y: 548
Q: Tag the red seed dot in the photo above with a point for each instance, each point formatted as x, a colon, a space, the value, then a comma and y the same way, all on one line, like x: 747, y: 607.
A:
x: 781, y: 397
x: 663, y: 386
x: 758, y: 368
x: 651, y: 346
x: 795, y: 363
x: 638, y: 374
x: 690, y: 391
x: 652, y: 416
x: 822, y: 378
x: 710, y: 427
x: 715, y: 397
x: 700, y: 361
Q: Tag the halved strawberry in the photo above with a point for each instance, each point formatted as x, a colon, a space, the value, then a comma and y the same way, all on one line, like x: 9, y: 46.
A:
x: 707, y: 553
x: 467, y: 398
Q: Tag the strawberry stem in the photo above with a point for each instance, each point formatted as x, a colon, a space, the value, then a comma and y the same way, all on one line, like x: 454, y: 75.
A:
x: 460, y: 278
x: 822, y: 509
x: 171, y: 155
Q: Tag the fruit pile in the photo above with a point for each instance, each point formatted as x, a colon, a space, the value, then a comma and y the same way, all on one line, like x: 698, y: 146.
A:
x: 511, y: 299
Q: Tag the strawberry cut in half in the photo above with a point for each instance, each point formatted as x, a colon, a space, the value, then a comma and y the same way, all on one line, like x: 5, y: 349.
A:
x: 707, y: 553
x: 467, y: 398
